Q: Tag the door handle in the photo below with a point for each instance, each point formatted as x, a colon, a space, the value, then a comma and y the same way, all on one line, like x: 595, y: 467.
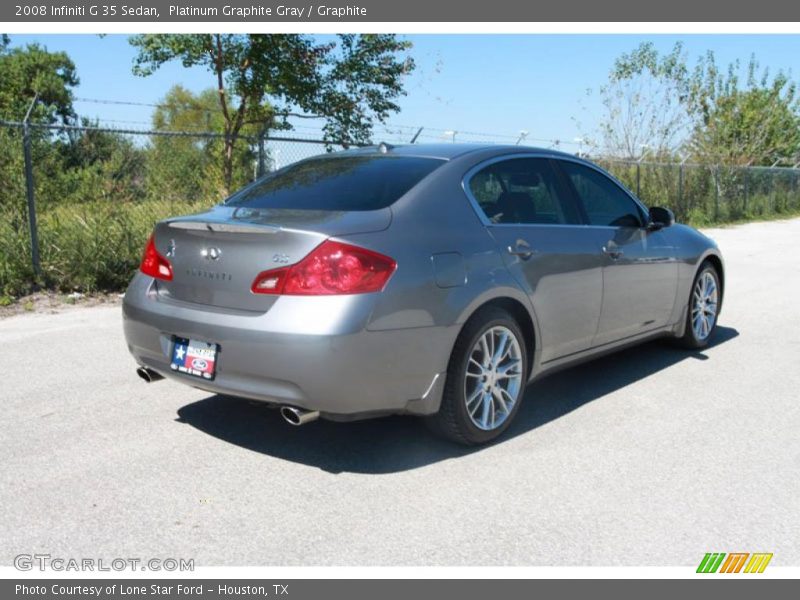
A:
x: 521, y: 249
x: 614, y: 253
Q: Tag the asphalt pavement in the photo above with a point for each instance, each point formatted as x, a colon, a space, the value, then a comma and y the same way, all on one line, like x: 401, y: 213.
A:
x: 653, y: 456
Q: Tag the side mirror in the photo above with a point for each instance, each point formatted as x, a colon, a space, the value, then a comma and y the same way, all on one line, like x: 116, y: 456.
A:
x: 660, y: 218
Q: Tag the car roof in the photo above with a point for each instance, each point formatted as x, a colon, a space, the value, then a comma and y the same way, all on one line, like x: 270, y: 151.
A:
x: 449, y: 151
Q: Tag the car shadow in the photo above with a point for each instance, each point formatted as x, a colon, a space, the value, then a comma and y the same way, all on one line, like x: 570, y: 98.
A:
x: 400, y: 443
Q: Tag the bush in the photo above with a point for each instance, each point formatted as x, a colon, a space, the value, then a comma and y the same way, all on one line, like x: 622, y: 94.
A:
x: 92, y: 246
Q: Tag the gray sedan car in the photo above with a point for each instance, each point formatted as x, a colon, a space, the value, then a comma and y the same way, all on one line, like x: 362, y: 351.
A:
x: 432, y: 280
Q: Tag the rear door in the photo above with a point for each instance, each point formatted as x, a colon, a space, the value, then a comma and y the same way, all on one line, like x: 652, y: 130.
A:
x: 537, y: 226
x: 640, y: 271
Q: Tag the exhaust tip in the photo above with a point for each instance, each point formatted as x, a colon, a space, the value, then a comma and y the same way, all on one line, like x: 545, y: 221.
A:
x: 290, y: 415
x: 148, y: 375
x: 298, y: 416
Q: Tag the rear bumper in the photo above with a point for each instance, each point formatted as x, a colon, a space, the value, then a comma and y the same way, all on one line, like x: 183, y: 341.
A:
x: 323, y: 360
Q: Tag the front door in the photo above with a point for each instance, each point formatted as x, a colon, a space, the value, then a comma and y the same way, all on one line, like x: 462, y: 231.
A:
x: 640, y: 271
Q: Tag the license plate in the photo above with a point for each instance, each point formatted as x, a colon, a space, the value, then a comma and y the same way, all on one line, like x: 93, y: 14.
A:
x: 194, y: 357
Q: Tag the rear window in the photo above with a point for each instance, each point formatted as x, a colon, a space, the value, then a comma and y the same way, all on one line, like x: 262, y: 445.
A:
x: 351, y: 183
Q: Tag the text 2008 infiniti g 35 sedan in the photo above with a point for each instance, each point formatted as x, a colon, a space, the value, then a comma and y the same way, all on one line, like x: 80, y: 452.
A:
x: 428, y: 280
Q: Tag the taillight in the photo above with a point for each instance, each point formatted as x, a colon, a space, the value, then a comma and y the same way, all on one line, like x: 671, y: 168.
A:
x: 154, y: 264
x: 331, y: 268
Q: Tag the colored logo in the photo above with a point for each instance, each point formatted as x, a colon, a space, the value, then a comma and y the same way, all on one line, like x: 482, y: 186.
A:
x: 735, y: 562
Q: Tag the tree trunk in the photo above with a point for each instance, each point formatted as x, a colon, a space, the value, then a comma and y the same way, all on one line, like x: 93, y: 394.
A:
x: 227, y: 162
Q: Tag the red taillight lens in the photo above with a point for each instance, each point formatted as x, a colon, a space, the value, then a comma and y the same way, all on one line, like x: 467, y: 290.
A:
x: 331, y: 268
x: 154, y: 264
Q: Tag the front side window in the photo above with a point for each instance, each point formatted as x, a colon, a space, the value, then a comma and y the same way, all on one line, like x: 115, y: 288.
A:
x: 605, y: 202
x: 522, y: 191
x: 337, y: 183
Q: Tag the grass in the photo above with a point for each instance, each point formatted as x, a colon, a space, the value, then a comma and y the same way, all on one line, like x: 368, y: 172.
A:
x: 84, y: 247
x: 743, y: 220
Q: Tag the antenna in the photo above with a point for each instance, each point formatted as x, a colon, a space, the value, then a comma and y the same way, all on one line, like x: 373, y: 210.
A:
x: 416, y: 135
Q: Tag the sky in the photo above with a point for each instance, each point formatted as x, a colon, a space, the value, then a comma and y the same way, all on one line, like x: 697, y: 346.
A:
x: 493, y: 85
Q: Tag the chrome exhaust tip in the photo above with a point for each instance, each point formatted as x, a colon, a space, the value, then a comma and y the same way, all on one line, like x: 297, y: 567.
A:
x: 298, y: 416
x: 148, y: 374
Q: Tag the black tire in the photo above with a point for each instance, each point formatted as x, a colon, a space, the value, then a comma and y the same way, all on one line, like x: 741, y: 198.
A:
x: 453, y: 421
x: 690, y: 339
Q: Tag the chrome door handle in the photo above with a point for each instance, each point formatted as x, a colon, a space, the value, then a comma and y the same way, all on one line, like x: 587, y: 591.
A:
x: 521, y: 249
x: 614, y: 253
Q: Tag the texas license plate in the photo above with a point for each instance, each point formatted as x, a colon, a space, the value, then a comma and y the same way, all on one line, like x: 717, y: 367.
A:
x: 194, y: 357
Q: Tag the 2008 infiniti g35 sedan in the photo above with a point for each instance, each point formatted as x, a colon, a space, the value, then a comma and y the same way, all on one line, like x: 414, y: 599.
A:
x: 428, y: 280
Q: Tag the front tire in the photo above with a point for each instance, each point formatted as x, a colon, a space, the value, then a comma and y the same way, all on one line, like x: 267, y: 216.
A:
x: 486, y: 379
x: 703, y: 307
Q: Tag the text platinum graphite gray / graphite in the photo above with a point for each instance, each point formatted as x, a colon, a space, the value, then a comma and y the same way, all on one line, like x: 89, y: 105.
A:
x: 187, y: 10
x: 258, y: 10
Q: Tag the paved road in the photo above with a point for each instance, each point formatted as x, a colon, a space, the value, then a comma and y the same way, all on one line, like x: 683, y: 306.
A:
x: 650, y: 457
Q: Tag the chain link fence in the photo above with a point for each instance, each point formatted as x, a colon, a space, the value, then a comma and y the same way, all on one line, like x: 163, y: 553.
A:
x: 705, y: 195
x: 77, y: 214
x: 77, y: 203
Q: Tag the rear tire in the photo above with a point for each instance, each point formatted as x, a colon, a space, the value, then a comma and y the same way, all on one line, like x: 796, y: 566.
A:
x: 702, y: 308
x: 486, y: 379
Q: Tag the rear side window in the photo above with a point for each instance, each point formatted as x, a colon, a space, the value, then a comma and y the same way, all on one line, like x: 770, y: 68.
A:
x: 342, y: 183
x: 605, y: 202
x: 523, y: 191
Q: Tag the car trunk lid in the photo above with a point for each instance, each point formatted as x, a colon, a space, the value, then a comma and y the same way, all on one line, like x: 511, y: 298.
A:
x: 216, y: 255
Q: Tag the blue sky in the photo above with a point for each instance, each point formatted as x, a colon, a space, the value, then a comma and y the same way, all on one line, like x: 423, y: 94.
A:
x: 498, y: 84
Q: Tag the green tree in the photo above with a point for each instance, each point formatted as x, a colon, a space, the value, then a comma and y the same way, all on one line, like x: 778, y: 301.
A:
x: 96, y: 165
x: 754, y: 122
x: 26, y: 73
x: 33, y: 72
x: 263, y: 79
x: 190, y: 168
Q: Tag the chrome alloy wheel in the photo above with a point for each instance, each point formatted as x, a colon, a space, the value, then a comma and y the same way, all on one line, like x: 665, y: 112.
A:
x: 493, y: 380
x: 704, y: 305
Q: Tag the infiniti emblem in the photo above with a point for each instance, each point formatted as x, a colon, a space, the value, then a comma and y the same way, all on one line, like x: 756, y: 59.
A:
x: 211, y: 253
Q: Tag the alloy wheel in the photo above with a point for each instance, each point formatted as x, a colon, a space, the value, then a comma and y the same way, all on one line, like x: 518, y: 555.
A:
x: 704, y: 305
x: 493, y: 380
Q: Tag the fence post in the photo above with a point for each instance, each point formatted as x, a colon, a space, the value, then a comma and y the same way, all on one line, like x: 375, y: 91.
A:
x: 716, y: 193
x: 746, y: 189
x: 262, y: 154
x: 771, y: 191
x: 26, y: 148
x: 638, y: 177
